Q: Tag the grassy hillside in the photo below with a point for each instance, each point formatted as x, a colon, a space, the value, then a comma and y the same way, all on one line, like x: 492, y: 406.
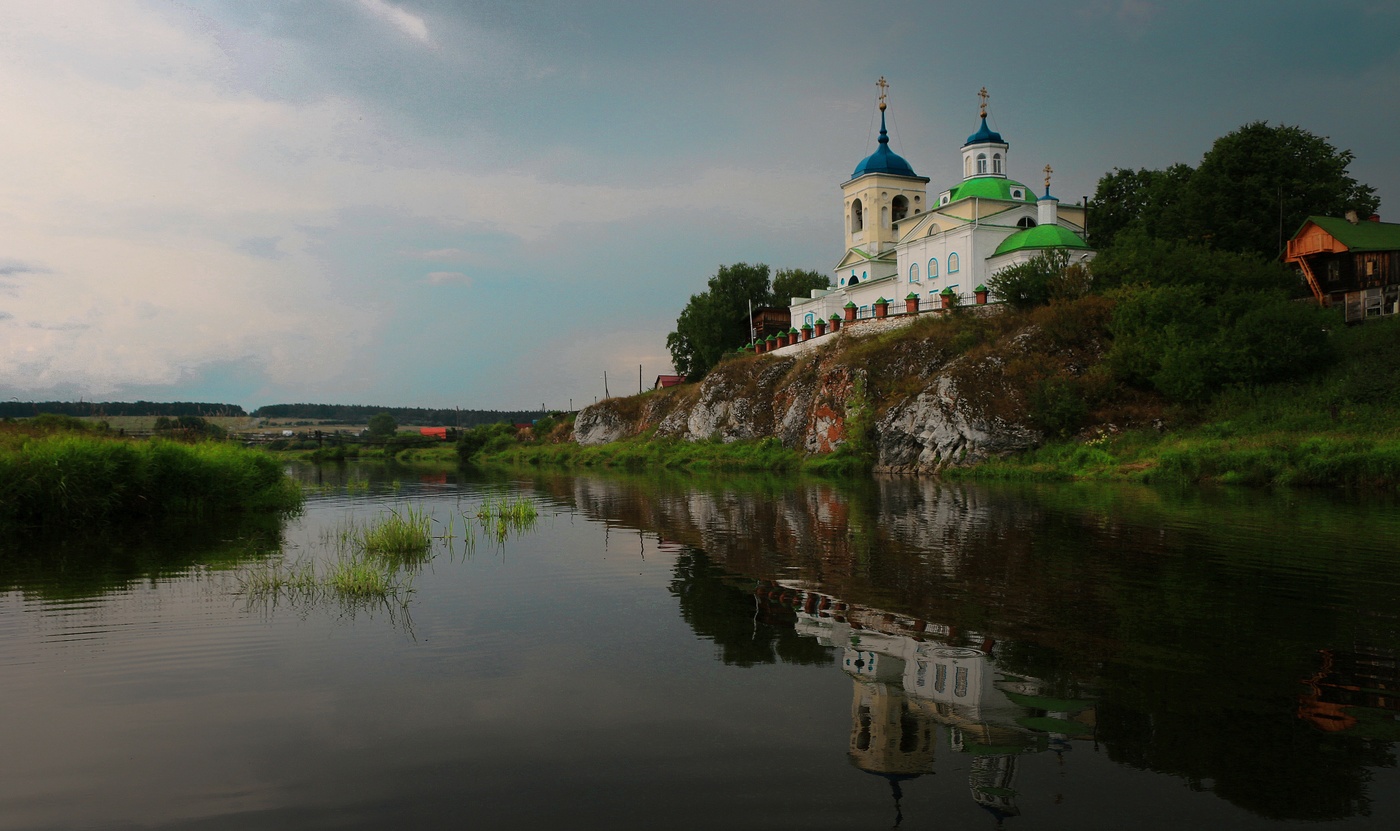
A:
x: 1339, y: 426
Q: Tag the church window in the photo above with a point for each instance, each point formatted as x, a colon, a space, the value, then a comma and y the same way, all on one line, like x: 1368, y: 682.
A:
x: 967, y: 165
x: 933, y: 268
x: 809, y: 318
x: 900, y: 208
x: 914, y: 273
x: 981, y: 163
x: 864, y: 274
x: 1018, y: 194
x: 960, y: 682
x: 1025, y: 222
x: 857, y: 216
x: 940, y: 678
x: 843, y: 281
x: 952, y: 263
x: 884, y: 216
x: 996, y: 162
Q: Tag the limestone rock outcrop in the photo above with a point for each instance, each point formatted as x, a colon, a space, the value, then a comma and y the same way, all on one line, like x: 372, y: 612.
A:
x: 922, y: 404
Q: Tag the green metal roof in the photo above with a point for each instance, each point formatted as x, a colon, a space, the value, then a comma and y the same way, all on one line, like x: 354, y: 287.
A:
x: 1363, y: 236
x: 1041, y: 236
x: 990, y: 187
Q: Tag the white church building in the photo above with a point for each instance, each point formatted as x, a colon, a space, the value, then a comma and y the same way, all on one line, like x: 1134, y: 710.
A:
x: 900, y: 242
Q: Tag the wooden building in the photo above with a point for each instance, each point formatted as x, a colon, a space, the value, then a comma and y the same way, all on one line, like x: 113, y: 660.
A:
x: 1350, y: 263
x: 768, y: 320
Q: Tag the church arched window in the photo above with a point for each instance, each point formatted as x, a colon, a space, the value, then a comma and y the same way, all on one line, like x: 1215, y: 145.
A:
x: 967, y: 165
x: 981, y: 163
x: 857, y: 216
x: 996, y: 162
x: 1025, y: 222
x: 914, y: 273
x: 899, y: 208
x: 933, y: 268
x: 952, y: 263
x: 884, y: 216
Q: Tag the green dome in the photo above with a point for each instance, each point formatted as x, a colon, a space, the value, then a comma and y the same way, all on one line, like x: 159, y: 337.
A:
x: 1041, y: 236
x: 991, y: 187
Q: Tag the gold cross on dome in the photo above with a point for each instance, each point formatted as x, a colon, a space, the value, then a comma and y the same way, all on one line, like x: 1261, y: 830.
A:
x: 1048, y: 171
x: 883, y: 85
x: 983, y: 96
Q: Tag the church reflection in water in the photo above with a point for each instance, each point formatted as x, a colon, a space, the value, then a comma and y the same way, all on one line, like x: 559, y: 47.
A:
x: 912, y: 676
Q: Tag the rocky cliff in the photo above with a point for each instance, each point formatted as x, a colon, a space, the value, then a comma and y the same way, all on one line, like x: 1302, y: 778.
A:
x: 919, y: 394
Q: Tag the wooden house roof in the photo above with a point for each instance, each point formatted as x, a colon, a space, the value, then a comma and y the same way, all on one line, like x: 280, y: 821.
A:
x: 1361, y: 236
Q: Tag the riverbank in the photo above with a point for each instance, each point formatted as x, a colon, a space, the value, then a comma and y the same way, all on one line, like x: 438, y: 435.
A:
x: 650, y: 452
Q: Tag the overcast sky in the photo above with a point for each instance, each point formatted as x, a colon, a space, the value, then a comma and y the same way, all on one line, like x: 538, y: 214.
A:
x: 488, y: 205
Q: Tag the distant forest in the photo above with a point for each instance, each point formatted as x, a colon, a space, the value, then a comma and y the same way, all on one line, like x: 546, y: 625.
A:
x: 25, y: 409
x: 360, y: 414
x: 344, y: 413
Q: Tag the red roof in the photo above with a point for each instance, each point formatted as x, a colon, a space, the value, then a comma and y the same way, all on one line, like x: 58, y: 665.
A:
x: 434, y: 432
x: 668, y: 381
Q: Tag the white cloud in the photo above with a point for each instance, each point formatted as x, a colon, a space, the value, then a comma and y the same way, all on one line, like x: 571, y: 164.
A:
x: 409, y: 24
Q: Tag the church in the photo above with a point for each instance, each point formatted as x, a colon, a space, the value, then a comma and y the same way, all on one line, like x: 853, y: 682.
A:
x: 900, y: 243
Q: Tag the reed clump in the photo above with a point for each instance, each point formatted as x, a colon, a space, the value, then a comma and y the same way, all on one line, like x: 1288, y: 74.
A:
x: 83, y: 478
x: 404, y: 534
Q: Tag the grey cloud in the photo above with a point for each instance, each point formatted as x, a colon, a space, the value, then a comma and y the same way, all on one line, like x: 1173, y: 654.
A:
x: 265, y: 247
x: 60, y: 327
x: 10, y: 268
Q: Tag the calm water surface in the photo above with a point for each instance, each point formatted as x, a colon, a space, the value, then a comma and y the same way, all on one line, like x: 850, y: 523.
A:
x: 735, y: 653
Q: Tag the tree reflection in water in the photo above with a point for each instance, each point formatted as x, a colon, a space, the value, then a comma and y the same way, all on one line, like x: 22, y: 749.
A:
x: 1183, y: 634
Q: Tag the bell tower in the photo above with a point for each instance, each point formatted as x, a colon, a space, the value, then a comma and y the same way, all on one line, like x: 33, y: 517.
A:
x: 883, y: 190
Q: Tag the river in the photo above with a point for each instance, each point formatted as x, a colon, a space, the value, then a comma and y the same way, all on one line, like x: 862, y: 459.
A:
x: 737, y: 652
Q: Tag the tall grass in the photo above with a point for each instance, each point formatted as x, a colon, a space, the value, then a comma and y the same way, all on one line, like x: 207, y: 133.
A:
x: 501, y: 516
x: 405, y: 533
x: 70, y: 479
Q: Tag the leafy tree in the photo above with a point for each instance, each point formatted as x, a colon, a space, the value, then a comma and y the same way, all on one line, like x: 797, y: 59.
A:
x: 795, y: 282
x: 716, y: 320
x: 1189, y: 321
x: 485, y: 437
x: 1139, y: 259
x: 1044, y: 277
x: 1259, y: 183
x: 382, y: 425
x: 1138, y: 199
x: 1254, y: 187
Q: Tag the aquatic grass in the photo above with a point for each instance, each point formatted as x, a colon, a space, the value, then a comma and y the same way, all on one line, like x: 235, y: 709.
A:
x: 361, y: 577
x: 280, y: 577
x: 501, y: 516
x: 400, y: 533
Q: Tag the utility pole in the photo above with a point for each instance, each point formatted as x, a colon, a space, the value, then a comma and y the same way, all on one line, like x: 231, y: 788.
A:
x: 639, y: 379
x: 605, y: 384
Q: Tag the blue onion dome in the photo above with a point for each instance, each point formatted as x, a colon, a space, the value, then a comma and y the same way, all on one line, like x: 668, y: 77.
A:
x: 984, y: 135
x: 884, y: 160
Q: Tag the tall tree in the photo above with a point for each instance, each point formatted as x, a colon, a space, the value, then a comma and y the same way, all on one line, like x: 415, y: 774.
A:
x: 796, y: 282
x: 1144, y: 199
x: 1252, y: 190
x: 717, y: 320
x: 1258, y: 184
